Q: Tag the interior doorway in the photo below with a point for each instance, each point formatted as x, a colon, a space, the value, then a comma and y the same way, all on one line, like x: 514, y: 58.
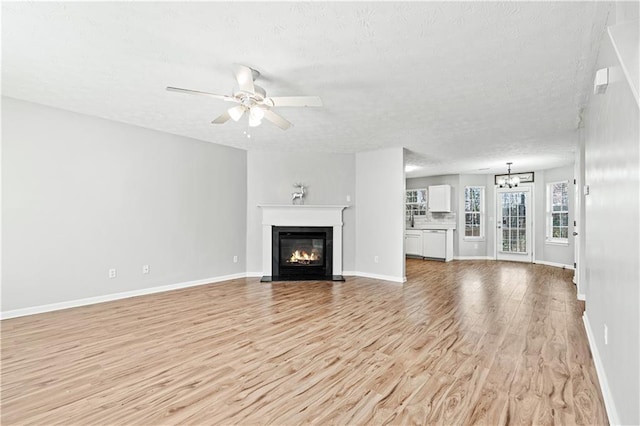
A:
x: 514, y: 219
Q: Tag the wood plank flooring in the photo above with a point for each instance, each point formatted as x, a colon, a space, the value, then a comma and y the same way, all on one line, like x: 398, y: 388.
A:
x: 465, y: 342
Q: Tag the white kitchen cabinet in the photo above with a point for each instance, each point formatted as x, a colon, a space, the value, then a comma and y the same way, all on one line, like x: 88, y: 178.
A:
x: 413, y: 243
x: 439, y: 198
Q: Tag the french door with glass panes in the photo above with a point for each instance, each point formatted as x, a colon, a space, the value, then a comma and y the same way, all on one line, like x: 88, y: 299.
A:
x: 514, y: 223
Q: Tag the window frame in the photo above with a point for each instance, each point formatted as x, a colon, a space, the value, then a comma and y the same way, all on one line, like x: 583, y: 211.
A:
x: 481, y: 215
x: 419, y: 208
x: 549, y: 238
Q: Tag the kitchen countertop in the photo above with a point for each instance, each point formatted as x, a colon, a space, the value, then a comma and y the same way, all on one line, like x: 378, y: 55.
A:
x: 425, y: 226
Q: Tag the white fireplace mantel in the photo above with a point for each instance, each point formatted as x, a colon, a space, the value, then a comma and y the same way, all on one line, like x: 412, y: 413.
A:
x: 301, y: 215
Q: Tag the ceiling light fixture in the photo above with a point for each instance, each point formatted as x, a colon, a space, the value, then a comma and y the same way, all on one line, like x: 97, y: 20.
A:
x: 508, y: 180
x: 236, y: 112
x: 256, y: 114
x: 253, y: 100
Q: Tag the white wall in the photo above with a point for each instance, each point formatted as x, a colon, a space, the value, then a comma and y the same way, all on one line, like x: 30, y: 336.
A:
x: 270, y: 178
x: 82, y: 195
x: 380, y: 184
x: 544, y: 251
x: 612, y: 248
x: 490, y: 193
x: 579, y: 166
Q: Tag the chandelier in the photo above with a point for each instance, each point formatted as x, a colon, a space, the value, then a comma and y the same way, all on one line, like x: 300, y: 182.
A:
x: 508, y: 180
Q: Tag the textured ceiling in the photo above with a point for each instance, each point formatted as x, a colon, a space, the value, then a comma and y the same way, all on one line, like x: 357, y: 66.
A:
x: 463, y: 86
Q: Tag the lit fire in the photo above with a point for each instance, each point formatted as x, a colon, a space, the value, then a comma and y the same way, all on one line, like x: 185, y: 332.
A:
x: 301, y: 256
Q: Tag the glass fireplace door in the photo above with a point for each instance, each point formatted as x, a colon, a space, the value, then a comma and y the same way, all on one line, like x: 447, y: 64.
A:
x: 301, y: 251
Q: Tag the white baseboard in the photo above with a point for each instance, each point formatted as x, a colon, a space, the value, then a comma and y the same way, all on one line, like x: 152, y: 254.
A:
x: 557, y: 265
x: 260, y: 274
x: 474, y: 258
x: 114, y: 296
x: 540, y: 262
x: 399, y: 280
x: 581, y: 296
x: 612, y: 414
x: 353, y: 274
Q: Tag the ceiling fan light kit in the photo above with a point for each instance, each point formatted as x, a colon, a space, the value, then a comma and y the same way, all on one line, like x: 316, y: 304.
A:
x: 253, y: 99
x: 235, y: 113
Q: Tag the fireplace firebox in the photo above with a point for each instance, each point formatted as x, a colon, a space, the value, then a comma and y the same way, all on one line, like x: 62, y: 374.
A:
x: 302, y: 253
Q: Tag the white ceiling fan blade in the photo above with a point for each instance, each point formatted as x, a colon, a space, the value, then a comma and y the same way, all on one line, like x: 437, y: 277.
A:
x: 236, y: 112
x: 198, y: 92
x: 294, y: 101
x: 277, y: 120
x: 244, y: 76
x: 222, y: 119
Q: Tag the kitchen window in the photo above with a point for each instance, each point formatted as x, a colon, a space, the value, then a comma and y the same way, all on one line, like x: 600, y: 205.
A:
x: 474, y: 213
x: 415, y: 203
x: 558, y: 212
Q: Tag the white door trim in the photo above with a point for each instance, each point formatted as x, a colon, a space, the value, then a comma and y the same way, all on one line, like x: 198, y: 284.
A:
x: 529, y: 187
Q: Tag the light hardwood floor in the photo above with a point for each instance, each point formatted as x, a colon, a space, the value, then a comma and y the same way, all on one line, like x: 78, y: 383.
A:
x: 465, y: 342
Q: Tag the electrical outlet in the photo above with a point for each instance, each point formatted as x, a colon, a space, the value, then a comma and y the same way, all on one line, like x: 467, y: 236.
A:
x: 145, y: 269
x: 348, y: 198
x: 376, y: 259
x: 606, y: 334
x: 235, y: 259
x: 112, y: 273
x: 475, y: 246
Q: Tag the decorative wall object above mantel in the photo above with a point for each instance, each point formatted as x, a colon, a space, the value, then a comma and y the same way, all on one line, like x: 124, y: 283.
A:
x: 299, y: 194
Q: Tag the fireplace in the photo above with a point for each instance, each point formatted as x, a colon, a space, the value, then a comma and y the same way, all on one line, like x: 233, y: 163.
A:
x: 302, y: 252
x: 313, y: 231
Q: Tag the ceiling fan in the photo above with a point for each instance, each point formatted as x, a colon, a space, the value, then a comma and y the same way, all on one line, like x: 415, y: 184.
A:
x: 252, y: 99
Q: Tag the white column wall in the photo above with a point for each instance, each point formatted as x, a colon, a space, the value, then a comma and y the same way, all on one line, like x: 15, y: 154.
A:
x: 380, y: 183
